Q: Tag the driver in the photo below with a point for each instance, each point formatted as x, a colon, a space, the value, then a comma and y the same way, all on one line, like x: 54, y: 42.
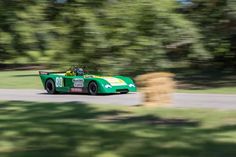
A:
x: 79, y: 71
x: 70, y: 72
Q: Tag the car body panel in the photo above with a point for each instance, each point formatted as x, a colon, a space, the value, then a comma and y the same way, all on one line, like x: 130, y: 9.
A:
x: 79, y: 84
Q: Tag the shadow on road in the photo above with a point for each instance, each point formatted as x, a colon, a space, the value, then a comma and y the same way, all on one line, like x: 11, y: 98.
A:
x: 110, y: 94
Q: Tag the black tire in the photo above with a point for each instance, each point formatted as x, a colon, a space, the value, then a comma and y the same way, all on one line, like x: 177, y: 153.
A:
x: 50, y: 87
x: 93, y: 88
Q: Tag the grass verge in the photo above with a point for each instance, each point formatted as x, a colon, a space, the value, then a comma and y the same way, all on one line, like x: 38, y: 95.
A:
x: 20, y: 80
x: 30, y: 80
x: 32, y: 129
x: 222, y: 90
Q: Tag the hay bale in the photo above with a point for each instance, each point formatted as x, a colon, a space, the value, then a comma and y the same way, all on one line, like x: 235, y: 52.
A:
x: 156, y: 88
x: 154, y: 75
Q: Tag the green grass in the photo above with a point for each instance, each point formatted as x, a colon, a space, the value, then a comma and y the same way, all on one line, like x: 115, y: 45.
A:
x: 30, y: 129
x: 20, y: 80
x: 220, y: 90
x: 31, y: 80
x: 206, y: 80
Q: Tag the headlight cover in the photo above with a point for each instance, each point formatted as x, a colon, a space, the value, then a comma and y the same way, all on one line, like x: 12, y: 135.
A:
x: 108, y: 86
x: 131, y: 85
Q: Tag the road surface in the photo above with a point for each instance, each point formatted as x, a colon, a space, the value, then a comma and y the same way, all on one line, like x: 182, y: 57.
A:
x: 180, y: 100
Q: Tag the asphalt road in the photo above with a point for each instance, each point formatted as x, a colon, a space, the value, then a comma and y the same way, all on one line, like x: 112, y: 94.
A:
x: 180, y: 100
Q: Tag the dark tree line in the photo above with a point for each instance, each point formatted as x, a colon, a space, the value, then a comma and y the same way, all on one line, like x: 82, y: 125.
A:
x: 118, y: 35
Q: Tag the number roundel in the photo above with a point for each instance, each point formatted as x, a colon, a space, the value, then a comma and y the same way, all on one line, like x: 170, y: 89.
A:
x: 59, y: 82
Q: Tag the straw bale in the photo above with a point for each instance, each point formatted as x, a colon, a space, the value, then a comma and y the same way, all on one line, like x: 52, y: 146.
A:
x: 156, y: 88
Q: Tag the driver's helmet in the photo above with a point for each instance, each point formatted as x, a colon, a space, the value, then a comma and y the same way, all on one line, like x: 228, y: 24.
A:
x: 79, y: 71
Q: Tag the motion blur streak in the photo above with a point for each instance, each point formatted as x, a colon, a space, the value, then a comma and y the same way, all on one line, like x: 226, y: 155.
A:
x: 131, y: 37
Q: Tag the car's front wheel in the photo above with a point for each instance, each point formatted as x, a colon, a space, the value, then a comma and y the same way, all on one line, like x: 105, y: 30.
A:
x: 50, y: 86
x: 93, y: 88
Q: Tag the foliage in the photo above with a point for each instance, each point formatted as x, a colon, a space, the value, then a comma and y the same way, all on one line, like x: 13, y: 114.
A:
x: 113, y: 35
x: 217, y: 20
x: 129, y: 37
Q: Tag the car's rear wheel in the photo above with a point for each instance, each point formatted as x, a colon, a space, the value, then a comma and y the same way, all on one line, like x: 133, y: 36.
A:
x: 50, y: 86
x: 93, y: 88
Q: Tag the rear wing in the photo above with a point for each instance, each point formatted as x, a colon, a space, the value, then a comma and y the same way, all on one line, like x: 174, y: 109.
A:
x: 43, y: 73
x: 48, y: 73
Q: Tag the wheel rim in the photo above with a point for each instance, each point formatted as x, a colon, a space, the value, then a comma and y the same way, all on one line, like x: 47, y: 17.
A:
x: 50, y: 87
x: 93, y: 88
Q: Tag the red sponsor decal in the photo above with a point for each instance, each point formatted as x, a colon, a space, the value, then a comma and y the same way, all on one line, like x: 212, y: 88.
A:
x: 76, y: 90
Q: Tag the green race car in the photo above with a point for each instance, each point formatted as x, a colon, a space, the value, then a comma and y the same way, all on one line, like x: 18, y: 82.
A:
x: 77, y: 81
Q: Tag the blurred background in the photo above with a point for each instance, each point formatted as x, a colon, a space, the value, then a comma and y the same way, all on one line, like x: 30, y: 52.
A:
x: 196, y: 39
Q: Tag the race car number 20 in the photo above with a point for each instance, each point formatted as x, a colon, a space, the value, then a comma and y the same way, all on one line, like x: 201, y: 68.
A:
x: 59, y: 82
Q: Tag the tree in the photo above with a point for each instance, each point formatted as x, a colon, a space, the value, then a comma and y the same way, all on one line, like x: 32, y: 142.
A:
x: 125, y: 36
x: 118, y: 36
x: 217, y: 20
